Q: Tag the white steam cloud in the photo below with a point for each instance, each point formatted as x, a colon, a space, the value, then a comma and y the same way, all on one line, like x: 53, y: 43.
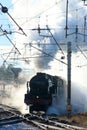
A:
x: 31, y: 13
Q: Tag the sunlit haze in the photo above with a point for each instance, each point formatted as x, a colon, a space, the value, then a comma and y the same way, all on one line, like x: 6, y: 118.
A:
x: 42, y: 51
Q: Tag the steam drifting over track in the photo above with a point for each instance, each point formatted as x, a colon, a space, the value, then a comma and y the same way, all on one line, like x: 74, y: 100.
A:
x: 38, y: 122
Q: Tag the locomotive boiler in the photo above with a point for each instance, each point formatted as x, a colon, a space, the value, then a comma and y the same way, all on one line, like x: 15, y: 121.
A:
x: 40, y: 91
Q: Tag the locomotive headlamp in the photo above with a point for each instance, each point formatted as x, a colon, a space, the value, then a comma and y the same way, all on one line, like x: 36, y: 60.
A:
x: 4, y: 9
x: 37, y: 97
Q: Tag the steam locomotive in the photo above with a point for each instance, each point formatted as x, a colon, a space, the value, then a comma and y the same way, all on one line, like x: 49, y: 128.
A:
x: 40, y: 91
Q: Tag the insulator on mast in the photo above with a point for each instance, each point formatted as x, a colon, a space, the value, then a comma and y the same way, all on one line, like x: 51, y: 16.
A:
x: 38, y: 28
x: 4, y: 9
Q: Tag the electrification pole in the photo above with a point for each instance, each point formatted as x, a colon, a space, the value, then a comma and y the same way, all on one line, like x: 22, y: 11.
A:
x: 85, y: 2
x: 69, y: 107
x: 66, y: 28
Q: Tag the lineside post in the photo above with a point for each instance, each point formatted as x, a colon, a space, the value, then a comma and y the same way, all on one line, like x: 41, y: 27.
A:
x: 69, y: 107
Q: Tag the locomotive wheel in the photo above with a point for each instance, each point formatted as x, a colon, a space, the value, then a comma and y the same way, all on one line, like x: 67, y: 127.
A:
x: 37, y: 108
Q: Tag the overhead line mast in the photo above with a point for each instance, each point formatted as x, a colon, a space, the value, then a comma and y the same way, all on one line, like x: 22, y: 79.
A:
x: 85, y: 2
x: 66, y: 28
x: 69, y: 106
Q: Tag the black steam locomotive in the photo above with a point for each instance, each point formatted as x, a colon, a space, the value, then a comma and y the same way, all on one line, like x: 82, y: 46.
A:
x: 40, y: 90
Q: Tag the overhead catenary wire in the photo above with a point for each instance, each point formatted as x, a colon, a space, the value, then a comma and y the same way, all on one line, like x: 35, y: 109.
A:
x: 5, y: 60
x: 9, y: 32
x: 11, y: 41
x: 39, y: 29
x: 48, y: 54
x: 17, y: 24
x: 44, y: 11
x: 56, y: 13
x: 5, y: 10
x: 60, y: 49
x: 81, y: 51
x: 81, y: 65
x: 55, y: 40
x: 39, y: 14
x: 15, y: 2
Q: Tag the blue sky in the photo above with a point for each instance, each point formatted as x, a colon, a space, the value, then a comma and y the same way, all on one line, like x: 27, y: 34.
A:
x: 5, y: 23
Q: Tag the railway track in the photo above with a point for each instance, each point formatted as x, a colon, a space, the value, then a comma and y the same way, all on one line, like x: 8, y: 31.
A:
x: 14, y: 117
x: 47, y: 123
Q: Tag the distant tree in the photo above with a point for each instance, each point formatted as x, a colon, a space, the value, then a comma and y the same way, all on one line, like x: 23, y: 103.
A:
x: 16, y: 72
x: 10, y: 74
